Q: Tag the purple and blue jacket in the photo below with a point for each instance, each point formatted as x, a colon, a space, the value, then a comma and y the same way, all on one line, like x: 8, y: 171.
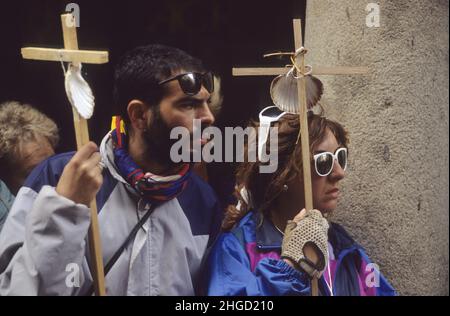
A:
x: 246, y: 262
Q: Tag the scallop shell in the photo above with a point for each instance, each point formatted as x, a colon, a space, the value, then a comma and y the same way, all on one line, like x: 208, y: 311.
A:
x: 78, y: 91
x: 283, y: 91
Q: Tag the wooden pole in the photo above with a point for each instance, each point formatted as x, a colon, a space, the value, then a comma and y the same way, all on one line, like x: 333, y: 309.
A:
x: 82, y: 138
x: 304, y: 132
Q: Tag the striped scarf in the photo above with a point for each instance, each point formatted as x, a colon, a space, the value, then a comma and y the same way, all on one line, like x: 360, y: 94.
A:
x: 152, y: 188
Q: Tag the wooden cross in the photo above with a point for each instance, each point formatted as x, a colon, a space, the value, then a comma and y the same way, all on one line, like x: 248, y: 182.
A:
x: 71, y: 53
x: 301, y: 87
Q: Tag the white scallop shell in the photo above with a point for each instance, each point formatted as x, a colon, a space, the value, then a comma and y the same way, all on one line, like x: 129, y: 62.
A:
x: 78, y: 91
x: 283, y: 91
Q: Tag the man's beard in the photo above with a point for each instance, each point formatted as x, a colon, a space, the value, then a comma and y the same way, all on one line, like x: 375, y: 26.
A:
x: 157, y: 140
x: 159, y: 144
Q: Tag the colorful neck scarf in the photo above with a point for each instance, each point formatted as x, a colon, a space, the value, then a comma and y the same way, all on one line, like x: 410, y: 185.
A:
x: 152, y: 188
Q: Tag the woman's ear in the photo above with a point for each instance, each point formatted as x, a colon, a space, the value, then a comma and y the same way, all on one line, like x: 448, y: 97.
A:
x: 138, y: 114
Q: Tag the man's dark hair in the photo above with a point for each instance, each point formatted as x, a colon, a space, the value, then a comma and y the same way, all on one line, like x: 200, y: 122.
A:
x: 140, y: 70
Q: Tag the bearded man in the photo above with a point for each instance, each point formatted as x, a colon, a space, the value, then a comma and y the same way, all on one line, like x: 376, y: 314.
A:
x: 156, y: 217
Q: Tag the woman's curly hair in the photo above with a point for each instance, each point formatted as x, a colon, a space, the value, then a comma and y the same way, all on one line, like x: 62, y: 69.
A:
x: 263, y: 189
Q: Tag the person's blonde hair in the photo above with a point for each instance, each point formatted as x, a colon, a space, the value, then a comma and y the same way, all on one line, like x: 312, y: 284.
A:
x: 20, y: 123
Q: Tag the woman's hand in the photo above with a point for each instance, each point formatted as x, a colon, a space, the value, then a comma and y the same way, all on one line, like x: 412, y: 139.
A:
x: 310, y: 252
x: 82, y: 177
x: 305, y: 242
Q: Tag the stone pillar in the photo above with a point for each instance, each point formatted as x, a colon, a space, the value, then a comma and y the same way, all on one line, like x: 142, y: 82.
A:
x: 395, y: 196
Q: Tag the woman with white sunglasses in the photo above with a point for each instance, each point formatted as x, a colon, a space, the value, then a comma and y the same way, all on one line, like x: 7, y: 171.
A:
x: 271, y: 245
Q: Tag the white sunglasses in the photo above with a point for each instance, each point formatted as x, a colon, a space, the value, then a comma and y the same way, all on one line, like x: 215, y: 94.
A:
x: 324, y: 162
x: 267, y: 116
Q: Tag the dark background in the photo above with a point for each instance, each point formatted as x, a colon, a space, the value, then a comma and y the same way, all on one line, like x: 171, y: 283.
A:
x: 223, y: 33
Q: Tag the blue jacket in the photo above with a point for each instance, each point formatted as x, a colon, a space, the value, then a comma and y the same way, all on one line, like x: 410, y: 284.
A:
x: 246, y: 261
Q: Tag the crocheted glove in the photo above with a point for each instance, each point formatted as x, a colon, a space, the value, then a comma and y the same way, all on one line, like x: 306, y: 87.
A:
x: 313, y: 228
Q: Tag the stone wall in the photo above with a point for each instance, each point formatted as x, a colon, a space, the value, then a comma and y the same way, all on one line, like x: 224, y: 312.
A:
x: 395, y: 196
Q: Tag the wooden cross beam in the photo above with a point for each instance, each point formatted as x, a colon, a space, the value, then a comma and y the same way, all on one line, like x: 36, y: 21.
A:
x: 301, y: 87
x: 316, y: 71
x: 70, y: 53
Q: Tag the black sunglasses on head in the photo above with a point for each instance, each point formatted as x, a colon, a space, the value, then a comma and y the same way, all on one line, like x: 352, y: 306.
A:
x: 191, y: 83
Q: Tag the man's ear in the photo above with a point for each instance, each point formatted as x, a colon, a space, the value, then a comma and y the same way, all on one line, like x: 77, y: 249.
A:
x: 138, y: 113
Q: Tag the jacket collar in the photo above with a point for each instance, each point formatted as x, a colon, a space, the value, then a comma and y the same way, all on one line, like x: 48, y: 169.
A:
x: 268, y: 238
x: 339, y: 239
x: 107, y: 156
